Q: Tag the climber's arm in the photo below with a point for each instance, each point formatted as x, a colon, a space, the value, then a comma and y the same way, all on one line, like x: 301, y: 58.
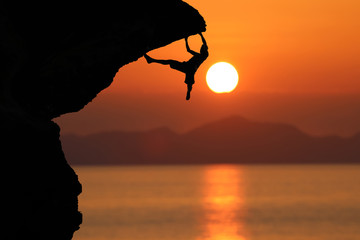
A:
x: 203, y: 39
x: 188, y: 48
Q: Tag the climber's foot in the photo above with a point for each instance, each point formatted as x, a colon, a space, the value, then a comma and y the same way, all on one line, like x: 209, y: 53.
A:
x: 148, y: 59
x: 188, y: 95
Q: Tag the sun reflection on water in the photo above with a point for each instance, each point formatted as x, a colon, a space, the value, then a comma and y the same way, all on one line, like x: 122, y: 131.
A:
x: 223, y: 201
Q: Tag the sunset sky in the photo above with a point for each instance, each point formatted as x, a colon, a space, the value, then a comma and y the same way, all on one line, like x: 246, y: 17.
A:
x: 298, y: 63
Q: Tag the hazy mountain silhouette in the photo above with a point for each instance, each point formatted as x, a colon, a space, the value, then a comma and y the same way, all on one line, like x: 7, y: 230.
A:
x: 231, y: 140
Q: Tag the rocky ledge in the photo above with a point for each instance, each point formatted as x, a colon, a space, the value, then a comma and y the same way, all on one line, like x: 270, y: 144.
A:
x: 55, y: 57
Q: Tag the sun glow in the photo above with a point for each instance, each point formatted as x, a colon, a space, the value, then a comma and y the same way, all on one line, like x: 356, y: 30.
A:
x: 222, y: 77
x: 224, y: 204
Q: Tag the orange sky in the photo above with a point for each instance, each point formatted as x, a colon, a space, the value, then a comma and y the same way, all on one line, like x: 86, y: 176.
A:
x: 298, y: 62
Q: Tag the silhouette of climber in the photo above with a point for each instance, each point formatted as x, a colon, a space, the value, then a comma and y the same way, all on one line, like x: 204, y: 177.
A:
x: 189, y: 67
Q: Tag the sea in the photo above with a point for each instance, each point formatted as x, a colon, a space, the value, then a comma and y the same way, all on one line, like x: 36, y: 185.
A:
x: 220, y: 202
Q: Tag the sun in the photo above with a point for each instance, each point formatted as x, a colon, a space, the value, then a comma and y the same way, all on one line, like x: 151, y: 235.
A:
x: 222, y: 77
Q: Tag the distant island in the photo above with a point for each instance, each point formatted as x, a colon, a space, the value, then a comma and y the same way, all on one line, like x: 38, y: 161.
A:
x: 231, y: 140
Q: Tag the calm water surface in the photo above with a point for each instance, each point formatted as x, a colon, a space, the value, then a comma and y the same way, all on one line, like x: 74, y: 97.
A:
x: 220, y: 202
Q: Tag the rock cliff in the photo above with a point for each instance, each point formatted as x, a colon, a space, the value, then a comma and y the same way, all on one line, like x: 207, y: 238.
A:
x: 55, y: 57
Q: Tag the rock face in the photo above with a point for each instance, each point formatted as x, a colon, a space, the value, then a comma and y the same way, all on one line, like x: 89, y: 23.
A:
x: 55, y: 57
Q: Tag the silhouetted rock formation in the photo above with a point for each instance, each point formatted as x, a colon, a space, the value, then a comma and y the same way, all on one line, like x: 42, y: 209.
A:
x: 55, y: 57
x: 231, y: 140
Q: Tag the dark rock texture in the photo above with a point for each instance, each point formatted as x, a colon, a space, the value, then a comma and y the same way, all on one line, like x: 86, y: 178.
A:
x: 55, y: 57
x: 66, y: 54
x: 38, y: 188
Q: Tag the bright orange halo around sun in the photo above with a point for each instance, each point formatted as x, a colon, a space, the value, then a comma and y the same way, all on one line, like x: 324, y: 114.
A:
x: 222, y: 77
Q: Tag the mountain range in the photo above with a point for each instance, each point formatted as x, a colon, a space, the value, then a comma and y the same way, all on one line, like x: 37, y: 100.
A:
x: 231, y: 140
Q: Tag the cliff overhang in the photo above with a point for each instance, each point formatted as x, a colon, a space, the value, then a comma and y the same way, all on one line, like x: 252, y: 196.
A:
x: 55, y: 57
